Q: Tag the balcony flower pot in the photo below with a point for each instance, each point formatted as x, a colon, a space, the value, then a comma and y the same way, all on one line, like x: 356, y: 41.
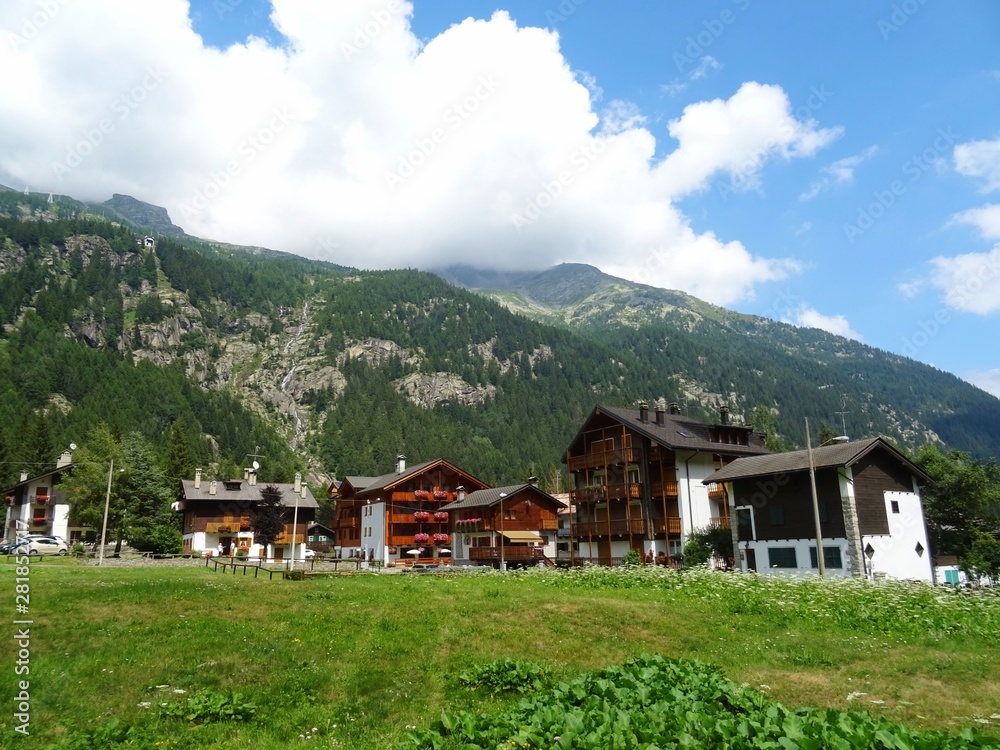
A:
x: 440, y: 494
x: 441, y: 516
x: 422, y: 493
x: 421, y: 538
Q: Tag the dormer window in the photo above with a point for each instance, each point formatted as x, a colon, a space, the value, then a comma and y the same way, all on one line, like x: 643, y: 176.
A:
x: 233, y: 486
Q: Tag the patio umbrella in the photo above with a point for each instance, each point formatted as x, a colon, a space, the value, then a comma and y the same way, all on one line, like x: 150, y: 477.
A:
x: 444, y: 551
x: 413, y: 552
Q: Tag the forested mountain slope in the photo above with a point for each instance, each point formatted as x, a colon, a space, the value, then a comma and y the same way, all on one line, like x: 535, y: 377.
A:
x: 328, y: 370
x: 744, y: 360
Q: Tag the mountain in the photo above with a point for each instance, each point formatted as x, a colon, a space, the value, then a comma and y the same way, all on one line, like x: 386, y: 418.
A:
x: 328, y: 370
x: 154, y: 219
x: 744, y: 360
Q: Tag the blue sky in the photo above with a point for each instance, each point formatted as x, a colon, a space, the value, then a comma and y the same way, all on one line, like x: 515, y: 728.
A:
x: 870, y: 207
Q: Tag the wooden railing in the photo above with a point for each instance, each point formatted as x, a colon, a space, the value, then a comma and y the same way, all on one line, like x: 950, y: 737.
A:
x: 716, y: 490
x: 615, y: 527
x: 599, y: 493
x: 549, y: 524
x: 668, y: 488
x: 601, y: 458
x: 719, y: 522
x: 666, y: 525
x: 509, y: 553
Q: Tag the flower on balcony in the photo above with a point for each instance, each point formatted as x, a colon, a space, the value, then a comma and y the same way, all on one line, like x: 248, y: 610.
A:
x: 441, y: 515
x: 440, y: 494
x: 422, y: 515
x: 467, y: 521
x: 421, y: 538
x: 392, y: 550
x: 440, y: 538
x: 422, y: 493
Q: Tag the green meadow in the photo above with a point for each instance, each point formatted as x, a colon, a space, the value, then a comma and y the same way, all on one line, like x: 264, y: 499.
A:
x: 183, y: 657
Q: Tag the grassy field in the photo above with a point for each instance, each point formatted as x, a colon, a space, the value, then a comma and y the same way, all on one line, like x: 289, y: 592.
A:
x: 363, y: 658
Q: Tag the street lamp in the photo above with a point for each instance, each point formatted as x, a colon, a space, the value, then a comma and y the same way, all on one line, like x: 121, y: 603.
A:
x: 820, y: 562
x: 503, y: 564
x: 107, y: 503
x: 295, y: 525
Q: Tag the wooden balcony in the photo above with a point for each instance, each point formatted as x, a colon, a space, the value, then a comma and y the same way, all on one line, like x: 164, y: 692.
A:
x: 511, y: 554
x: 346, y: 523
x: 666, y: 526
x: 615, y: 527
x: 41, y: 499
x: 549, y: 524
x: 719, y: 522
x: 716, y: 491
x: 599, y: 493
x: 667, y: 488
x: 601, y: 458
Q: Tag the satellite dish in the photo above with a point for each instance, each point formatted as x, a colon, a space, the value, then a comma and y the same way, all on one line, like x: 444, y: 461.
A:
x: 256, y: 466
x: 72, y: 446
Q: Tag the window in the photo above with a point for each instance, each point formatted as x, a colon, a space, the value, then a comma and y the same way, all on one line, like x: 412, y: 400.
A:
x: 744, y: 522
x: 782, y: 557
x: 776, y: 515
x: 822, y: 512
x: 895, y: 505
x: 831, y: 557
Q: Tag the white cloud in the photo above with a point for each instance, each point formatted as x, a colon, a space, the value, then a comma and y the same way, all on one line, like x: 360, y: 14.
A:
x: 705, y: 66
x: 980, y: 159
x: 840, y: 172
x: 988, y: 380
x: 807, y: 317
x: 970, y: 282
x: 985, y: 218
x: 674, y: 88
x: 737, y: 136
x: 358, y: 136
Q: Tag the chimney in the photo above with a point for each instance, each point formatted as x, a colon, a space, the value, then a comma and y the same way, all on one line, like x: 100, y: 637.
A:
x: 246, y: 473
x: 303, y: 491
x: 197, y: 479
x: 253, y: 478
x: 661, y: 407
x: 533, y: 481
x: 211, y: 488
x: 65, y: 459
x: 674, y: 407
x: 24, y: 476
x: 298, y: 483
x: 643, y: 411
x: 460, y: 493
x: 723, y: 415
x: 400, y: 463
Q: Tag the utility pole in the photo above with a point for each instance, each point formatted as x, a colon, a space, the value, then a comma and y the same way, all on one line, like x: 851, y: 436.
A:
x: 820, y: 563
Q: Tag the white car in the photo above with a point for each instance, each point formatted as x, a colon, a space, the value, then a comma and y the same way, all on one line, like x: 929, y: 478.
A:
x: 42, y: 545
x: 310, y: 554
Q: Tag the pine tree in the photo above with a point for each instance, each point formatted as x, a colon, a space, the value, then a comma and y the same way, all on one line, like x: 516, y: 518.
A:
x: 180, y: 460
x: 267, y: 517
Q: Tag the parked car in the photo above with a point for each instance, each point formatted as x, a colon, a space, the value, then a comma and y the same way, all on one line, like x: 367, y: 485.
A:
x: 46, y: 545
x: 7, y: 548
x: 310, y: 554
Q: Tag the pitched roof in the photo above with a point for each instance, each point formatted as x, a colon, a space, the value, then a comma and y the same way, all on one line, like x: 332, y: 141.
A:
x: 824, y: 457
x: 43, y: 475
x: 387, y: 481
x: 491, y: 496
x: 247, y: 492
x: 678, y: 432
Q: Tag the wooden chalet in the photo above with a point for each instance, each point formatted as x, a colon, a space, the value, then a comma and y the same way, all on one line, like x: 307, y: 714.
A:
x: 397, y: 517
x: 870, y: 511
x: 635, y: 480
x: 504, y: 526
x: 217, y: 515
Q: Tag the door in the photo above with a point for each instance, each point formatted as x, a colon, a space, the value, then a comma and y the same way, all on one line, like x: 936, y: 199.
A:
x: 752, y: 560
x: 604, y: 551
x: 278, y: 554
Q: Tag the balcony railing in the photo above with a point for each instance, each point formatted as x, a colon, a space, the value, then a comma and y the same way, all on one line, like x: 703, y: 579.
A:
x: 716, y: 490
x: 666, y: 525
x: 615, y: 527
x: 668, y: 488
x: 41, y: 499
x: 549, y: 524
x: 601, y: 458
x: 509, y: 553
x: 719, y: 522
x: 598, y: 493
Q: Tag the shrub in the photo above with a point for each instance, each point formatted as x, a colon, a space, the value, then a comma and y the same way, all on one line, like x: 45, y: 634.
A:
x: 632, y: 559
x: 504, y: 676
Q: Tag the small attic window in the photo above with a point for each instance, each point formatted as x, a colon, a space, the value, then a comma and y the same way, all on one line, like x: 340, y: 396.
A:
x: 233, y: 486
x: 684, y: 434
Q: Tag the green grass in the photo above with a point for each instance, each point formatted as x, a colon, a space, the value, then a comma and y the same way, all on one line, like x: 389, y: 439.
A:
x: 362, y: 658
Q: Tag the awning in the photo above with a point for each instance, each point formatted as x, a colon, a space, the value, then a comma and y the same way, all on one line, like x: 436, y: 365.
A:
x: 522, y: 536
